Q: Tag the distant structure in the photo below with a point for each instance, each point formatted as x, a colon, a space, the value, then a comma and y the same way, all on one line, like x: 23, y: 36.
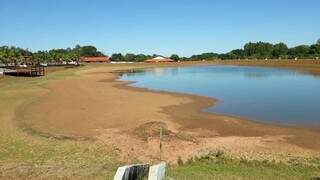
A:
x: 26, y: 67
x: 159, y: 59
x: 102, y: 59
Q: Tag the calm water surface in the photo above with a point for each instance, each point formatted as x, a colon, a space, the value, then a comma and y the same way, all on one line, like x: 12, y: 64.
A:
x: 264, y: 94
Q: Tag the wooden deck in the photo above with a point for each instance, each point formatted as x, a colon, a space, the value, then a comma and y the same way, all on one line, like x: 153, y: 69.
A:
x: 29, y: 71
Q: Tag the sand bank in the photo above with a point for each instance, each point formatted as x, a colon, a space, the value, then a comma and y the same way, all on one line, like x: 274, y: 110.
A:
x: 95, y: 105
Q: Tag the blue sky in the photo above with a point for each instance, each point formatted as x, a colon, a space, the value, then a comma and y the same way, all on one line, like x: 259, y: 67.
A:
x: 164, y: 27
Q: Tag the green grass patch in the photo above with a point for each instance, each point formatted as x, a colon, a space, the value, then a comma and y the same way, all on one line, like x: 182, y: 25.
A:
x: 218, y: 166
x: 52, y: 158
x: 19, y: 84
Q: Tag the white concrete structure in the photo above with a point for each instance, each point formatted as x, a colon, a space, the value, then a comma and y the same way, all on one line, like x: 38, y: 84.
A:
x: 120, y: 173
x: 131, y: 172
x: 157, y: 172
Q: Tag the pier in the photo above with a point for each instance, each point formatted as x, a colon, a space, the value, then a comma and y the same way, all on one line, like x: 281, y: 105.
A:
x: 27, y: 68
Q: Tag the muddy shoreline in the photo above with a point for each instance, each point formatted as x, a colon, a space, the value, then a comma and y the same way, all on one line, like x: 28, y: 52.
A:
x: 201, y: 102
x: 134, y: 110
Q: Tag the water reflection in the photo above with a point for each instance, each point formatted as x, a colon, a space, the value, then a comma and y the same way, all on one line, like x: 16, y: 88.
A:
x: 256, y: 75
x: 266, y: 94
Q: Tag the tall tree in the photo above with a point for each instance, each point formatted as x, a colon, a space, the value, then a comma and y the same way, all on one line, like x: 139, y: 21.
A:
x: 315, y: 49
x: 236, y: 54
x: 175, y: 57
x: 117, y: 57
x: 129, y: 57
x: 258, y: 50
x: 90, y: 51
x: 141, y: 57
x: 205, y: 56
x: 280, y: 49
x: 301, y: 51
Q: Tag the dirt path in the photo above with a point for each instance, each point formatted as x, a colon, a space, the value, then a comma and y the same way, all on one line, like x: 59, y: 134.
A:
x: 95, y: 105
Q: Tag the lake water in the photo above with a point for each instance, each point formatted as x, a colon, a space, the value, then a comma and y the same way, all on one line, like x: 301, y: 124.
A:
x: 273, y: 95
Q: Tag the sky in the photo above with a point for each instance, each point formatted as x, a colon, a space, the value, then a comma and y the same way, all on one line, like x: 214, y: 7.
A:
x: 183, y: 27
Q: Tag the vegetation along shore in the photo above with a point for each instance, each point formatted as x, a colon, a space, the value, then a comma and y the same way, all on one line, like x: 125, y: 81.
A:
x: 85, y: 123
x: 258, y: 50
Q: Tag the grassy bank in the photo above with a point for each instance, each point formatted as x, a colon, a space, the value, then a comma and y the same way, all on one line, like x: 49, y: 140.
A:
x: 49, y: 158
x: 27, y: 155
x: 219, y: 167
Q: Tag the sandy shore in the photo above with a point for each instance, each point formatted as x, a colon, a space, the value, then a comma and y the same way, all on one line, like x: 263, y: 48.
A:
x: 94, y: 104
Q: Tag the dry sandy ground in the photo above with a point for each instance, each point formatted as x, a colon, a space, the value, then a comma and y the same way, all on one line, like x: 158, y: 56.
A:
x: 95, y: 105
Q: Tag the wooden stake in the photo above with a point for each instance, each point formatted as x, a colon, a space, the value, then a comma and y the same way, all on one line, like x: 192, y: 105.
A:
x: 160, y: 145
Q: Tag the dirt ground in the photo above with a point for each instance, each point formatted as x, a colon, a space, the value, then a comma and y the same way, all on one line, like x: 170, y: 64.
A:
x: 94, y: 104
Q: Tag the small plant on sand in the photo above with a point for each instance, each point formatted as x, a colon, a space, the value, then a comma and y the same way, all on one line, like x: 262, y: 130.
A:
x: 219, y: 153
x: 212, y: 156
x: 180, y: 161
x: 190, y: 160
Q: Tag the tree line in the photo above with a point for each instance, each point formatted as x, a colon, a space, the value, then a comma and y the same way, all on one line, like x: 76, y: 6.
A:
x: 18, y: 55
x: 257, y: 50
x: 265, y: 50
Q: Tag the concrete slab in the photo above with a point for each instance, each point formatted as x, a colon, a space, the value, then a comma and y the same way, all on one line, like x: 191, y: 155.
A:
x: 131, y: 172
x: 157, y: 172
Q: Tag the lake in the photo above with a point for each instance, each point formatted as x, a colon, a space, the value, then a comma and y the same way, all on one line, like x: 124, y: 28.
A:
x: 270, y: 95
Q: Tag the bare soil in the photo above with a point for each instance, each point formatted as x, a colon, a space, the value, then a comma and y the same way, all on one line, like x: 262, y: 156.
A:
x: 94, y: 104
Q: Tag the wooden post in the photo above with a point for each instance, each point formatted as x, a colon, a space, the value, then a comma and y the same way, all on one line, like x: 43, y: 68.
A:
x: 160, y: 144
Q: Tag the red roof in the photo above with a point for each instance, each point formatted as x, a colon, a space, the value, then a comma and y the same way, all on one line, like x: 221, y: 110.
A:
x: 95, y: 59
